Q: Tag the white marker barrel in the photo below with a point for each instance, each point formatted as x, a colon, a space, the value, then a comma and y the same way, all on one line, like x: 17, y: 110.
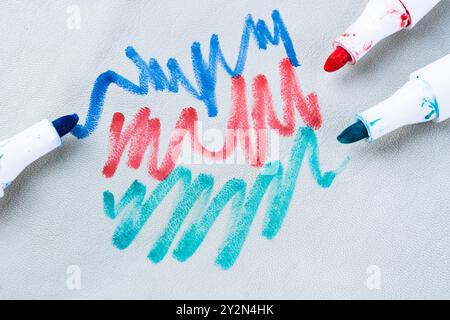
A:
x: 21, y: 150
x: 380, y: 19
x: 424, y: 98
x: 417, y: 9
x: 437, y: 75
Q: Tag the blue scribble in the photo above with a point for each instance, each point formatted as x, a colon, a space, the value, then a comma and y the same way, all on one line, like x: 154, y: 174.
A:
x: 205, y: 72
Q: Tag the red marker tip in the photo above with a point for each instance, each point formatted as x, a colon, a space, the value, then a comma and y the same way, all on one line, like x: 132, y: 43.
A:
x: 337, y: 60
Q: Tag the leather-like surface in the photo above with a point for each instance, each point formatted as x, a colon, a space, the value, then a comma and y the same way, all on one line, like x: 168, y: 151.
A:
x: 387, y: 214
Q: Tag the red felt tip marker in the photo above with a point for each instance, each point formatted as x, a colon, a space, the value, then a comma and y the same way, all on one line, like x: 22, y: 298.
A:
x: 380, y: 19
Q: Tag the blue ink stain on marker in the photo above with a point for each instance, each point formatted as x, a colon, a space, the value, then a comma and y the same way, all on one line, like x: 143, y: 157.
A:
x: 244, y: 206
x: 205, y: 72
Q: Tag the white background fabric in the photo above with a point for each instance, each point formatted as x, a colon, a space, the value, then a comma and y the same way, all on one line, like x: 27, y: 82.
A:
x: 389, y: 208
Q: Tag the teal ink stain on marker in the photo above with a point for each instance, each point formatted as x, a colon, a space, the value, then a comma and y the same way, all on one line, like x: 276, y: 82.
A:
x: 244, y: 207
x: 372, y: 123
x: 433, y: 105
x: 428, y: 116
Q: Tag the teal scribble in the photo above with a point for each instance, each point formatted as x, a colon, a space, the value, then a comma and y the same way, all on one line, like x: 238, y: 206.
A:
x: 243, y: 206
x: 375, y: 121
x: 433, y: 105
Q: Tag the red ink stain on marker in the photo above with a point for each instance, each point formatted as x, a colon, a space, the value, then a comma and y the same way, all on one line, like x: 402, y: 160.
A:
x: 368, y: 46
x: 337, y: 60
x: 404, y: 20
x: 404, y: 17
x: 393, y: 11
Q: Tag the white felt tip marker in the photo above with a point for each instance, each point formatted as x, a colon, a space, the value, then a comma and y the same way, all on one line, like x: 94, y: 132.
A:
x: 424, y: 98
x: 24, y: 148
x: 380, y: 19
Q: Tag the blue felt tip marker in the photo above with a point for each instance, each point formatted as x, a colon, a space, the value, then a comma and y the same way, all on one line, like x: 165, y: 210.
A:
x: 426, y: 97
x: 18, y: 152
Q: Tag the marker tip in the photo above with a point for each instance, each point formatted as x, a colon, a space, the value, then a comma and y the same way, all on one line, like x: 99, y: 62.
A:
x: 339, y: 58
x: 354, y: 133
x: 65, y: 124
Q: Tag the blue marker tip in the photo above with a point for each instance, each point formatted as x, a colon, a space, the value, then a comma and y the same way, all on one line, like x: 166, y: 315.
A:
x: 354, y: 133
x: 65, y: 124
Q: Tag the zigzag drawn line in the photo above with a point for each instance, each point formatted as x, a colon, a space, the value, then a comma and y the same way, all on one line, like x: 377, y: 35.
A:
x: 243, y: 206
x: 205, y: 72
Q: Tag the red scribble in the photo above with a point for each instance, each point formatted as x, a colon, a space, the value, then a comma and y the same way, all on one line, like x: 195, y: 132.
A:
x: 144, y: 132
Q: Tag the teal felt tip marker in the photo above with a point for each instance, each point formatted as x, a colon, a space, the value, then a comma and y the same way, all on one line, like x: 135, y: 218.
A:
x: 18, y: 152
x: 426, y: 97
